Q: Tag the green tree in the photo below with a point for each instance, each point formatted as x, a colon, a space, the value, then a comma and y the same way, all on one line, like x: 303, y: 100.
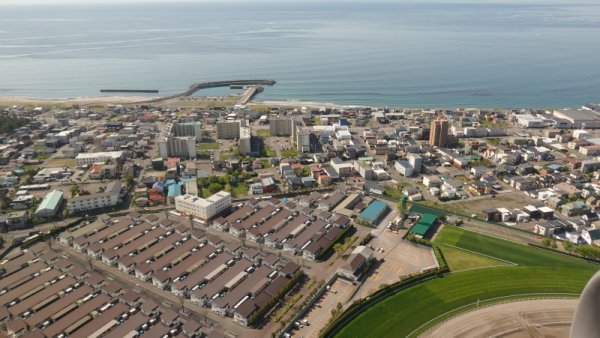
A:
x: 203, y: 182
x: 223, y: 180
x: 128, y: 180
x: 74, y: 190
x: 205, y: 135
x: 570, y: 247
x: 546, y: 242
x: 588, y: 251
x: 4, y: 201
x: 338, y: 249
x: 214, y: 179
x: 9, y: 123
x: 215, y: 187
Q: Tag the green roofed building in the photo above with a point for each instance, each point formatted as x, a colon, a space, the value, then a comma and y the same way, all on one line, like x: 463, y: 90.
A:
x: 425, y: 223
x: 50, y: 204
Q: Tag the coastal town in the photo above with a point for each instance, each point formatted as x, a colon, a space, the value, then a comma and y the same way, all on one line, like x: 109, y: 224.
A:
x: 231, y: 217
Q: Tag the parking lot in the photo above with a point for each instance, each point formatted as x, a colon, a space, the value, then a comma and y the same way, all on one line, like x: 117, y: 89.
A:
x: 320, y: 313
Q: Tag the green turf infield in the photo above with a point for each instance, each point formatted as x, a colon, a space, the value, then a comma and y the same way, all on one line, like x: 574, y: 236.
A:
x: 535, y: 273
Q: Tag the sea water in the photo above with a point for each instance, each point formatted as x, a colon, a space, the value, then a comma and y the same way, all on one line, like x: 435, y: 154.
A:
x: 492, y: 54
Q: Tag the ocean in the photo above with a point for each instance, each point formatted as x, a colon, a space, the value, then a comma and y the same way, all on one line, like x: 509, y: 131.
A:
x: 397, y: 54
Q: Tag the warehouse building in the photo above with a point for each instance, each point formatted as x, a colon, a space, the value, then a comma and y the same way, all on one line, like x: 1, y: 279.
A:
x: 50, y: 205
x: 374, y: 212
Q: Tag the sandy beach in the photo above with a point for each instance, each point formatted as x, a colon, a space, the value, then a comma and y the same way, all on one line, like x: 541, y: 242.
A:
x: 105, y: 100
x: 11, y: 100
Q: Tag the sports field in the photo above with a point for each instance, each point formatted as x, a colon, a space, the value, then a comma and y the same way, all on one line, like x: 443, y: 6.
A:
x: 510, y: 270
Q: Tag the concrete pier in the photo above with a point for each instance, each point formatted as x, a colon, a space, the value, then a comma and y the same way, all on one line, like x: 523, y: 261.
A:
x: 212, y: 84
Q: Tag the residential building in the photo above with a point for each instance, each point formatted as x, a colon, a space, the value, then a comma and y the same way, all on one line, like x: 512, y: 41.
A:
x: 255, y: 189
x: 438, y: 136
x: 404, y: 168
x: 193, y: 129
x: 281, y: 126
x: 17, y: 220
x: 109, y: 198
x: 204, y: 209
x: 356, y: 263
x: 590, y: 165
x: 576, y: 208
x: 245, y: 141
x: 342, y: 168
x: 591, y: 237
x: 302, y: 140
x: 229, y: 129
x: 171, y: 146
x: 91, y: 158
x: 416, y: 162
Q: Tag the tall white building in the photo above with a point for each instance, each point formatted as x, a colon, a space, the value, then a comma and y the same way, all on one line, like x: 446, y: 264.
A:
x: 91, y: 158
x: 177, y: 147
x: 229, y: 129
x: 245, y: 141
x: 204, y: 209
x: 416, y: 162
x: 302, y: 139
x: 281, y: 126
x: 188, y: 129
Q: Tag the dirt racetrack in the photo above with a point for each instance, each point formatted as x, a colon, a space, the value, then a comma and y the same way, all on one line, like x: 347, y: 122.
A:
x: 530, y: 318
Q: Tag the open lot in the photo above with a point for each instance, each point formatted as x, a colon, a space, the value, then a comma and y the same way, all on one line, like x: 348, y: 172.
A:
x: 401, y: 258
x: 475, y: 205
x: 60, y: 162
x: 537, y: 273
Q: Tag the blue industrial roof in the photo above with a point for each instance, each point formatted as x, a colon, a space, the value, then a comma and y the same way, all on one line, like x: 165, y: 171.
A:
x: 373, y: 211
x: 174, y: 190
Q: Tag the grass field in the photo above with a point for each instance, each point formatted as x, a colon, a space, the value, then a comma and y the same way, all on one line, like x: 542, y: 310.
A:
x: 207, y: 146
x: 460, y: 259
x: 263, y: 132
x: 270, y: 152
x: 60, y: 162
x: 289, y: 153
x: 413, y: 310
x: 225, y: 155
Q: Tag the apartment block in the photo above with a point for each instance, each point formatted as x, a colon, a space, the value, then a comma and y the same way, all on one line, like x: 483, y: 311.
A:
x: 184, y: 146
x: 204, y: 209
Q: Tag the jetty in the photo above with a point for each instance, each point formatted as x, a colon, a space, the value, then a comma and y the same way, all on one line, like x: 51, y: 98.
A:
x: 252, y: 87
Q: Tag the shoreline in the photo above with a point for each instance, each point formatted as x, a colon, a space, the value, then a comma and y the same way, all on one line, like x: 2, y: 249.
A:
x: 77, y: 100
x: 120, y: 99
